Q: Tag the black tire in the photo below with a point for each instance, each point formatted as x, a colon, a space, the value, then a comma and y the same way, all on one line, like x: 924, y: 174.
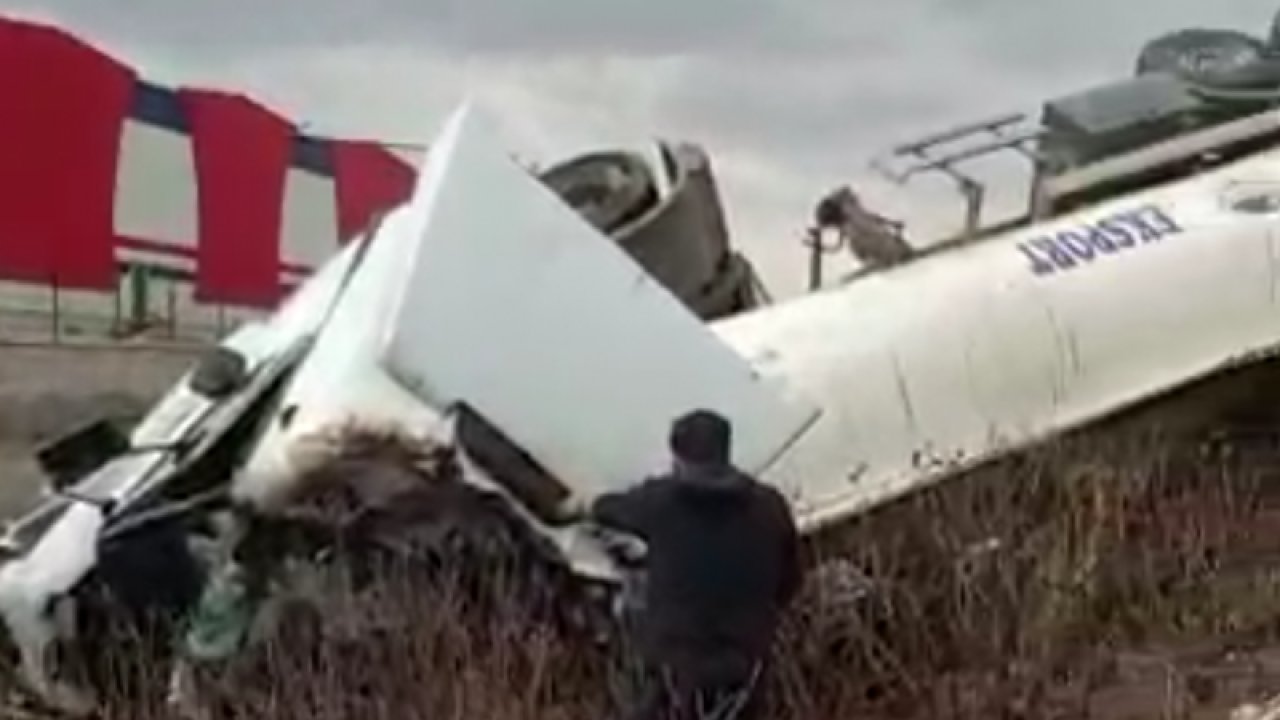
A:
x: 681, y: 242
x: 1217, y: 58
x: 219, y: 373
x: 609, y: 189
x: 730, y: 292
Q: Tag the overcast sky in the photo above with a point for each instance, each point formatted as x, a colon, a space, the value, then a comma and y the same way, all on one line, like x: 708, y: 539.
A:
x: 791, y: 98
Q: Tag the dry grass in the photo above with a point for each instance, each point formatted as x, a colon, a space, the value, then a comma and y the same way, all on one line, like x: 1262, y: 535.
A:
x: 1092, y: 575
x: 1022, y: 590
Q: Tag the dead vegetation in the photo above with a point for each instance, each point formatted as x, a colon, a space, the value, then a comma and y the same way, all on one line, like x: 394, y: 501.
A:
x: 1093, y: 578
x: 1089, y: 577
x: 1120, y: 577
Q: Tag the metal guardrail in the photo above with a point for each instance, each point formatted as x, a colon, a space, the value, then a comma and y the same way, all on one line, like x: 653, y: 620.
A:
x: 177, y: 347
x: 23, y: 326
x: 150, y: 306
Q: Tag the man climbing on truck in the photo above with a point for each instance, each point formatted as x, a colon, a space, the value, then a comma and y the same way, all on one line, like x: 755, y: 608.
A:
x: 873, y: 239
x: 722, y: 563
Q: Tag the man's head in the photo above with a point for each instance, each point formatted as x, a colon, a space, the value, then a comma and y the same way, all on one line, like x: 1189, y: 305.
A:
x: 702, y: 438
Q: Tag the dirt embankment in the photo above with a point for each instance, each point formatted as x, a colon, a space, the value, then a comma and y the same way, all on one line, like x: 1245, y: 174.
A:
x: 44, y: 390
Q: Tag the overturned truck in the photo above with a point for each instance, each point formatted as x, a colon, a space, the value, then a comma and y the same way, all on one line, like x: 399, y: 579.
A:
x: 539, y: 350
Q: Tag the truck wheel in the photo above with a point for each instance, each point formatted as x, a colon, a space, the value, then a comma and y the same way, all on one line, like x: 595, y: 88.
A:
x: 729, y: 292
x: 680, y: 240
x: 1217, y: 58
x: 608, y: 189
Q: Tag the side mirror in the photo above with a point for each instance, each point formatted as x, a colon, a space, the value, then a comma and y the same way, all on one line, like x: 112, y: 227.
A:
x: 219, y: 373
x: 70, y: 458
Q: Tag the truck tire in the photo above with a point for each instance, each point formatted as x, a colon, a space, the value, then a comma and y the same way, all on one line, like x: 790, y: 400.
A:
x: 729, y: 292
x: 681, y: 240
x: 1215, y: 58
x: 608, y: 189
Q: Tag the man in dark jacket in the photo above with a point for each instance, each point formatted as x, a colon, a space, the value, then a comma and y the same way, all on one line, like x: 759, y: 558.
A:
x: 722, y: 564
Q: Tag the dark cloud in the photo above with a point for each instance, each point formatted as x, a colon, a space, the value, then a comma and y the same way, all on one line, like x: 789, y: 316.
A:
x: 540, y: 27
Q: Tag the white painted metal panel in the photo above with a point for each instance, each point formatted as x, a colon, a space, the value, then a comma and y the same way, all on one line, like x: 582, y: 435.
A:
x: 1013, y: 382
x: 1189, y: 304
x: 517, y: 306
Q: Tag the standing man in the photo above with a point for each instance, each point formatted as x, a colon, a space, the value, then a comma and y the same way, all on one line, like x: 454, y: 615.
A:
x: 722, y: 564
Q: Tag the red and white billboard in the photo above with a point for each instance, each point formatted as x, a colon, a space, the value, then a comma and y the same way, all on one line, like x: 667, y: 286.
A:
x: 99, y: 167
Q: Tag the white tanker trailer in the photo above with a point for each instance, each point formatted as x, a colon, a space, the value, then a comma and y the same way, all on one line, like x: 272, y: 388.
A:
x: 846, y: 397
x: 487, y: 313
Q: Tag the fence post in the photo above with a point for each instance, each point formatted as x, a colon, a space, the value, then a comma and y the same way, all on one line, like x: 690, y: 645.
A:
x: 56, y: 315
x: 173, y: 309
x: 117, y: 310
x: 138, y: 296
